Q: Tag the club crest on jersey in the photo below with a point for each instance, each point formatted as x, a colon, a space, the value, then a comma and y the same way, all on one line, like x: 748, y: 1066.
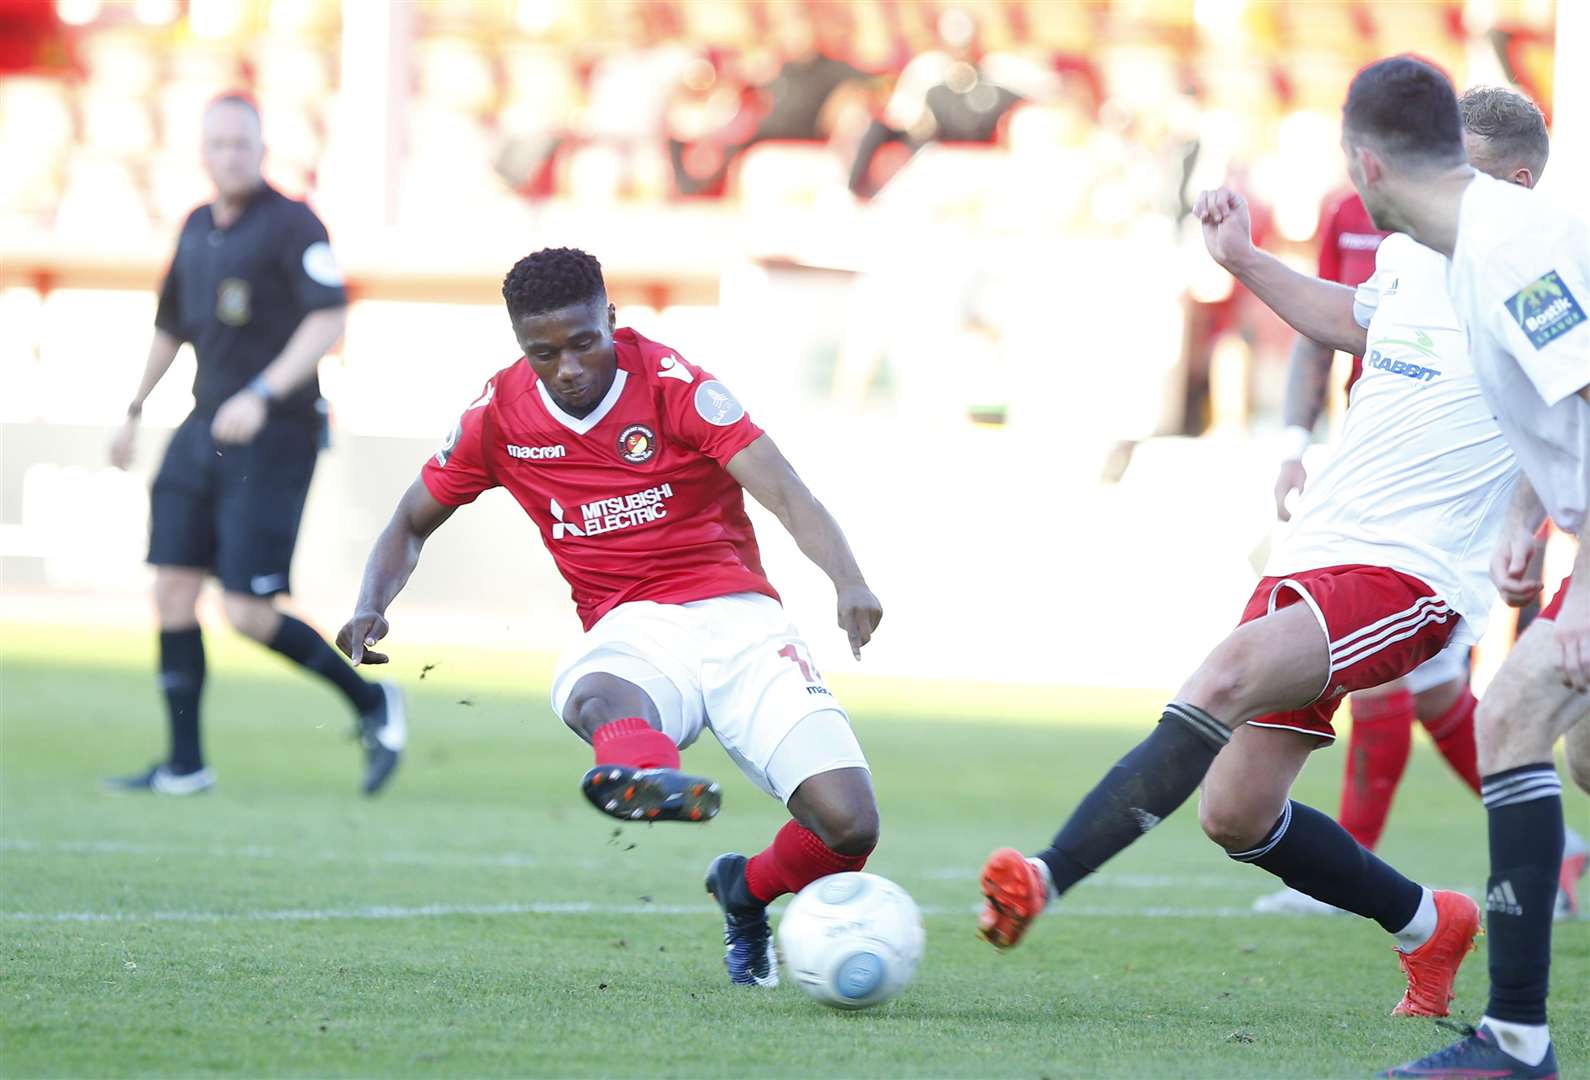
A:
x: 1545, y: 309
x: 637, y: 443
x: 232, y: 301
x: 716, y: 405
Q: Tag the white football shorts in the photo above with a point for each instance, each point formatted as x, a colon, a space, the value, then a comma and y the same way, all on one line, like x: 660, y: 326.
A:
x: 734, y: 664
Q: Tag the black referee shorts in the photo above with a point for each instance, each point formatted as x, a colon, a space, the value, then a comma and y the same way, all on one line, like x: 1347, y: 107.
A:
x: 233, y: 510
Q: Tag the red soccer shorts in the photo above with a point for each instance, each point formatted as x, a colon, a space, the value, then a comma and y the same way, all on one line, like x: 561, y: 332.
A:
x: 1551, y: 610
x: 1381, y: 624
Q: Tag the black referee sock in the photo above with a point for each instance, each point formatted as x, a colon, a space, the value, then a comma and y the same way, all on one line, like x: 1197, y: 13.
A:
x: 1145, y: 786
x: 299, y: 643
x: 1524, y: 808
x: 182, y: 681
x: 1314, y: 855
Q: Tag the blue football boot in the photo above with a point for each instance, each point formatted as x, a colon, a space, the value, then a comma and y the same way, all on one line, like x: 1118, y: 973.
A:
x: 1476, y: 1055
x: 747, y: 937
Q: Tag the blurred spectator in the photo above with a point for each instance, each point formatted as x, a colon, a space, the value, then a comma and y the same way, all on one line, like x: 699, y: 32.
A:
x: 953, y: 94
x: 633, y: 78
x: 32, y: 38
x: 795, y: 104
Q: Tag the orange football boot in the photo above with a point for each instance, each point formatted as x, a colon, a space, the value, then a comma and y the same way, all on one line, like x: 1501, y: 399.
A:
x: 1016, y: 893
x: 1432, y: 967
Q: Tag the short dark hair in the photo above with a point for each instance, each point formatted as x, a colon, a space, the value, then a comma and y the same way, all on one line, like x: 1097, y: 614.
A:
x: 1405, y: 106
x: 1512, y: 126
x: 236, y: 97
x: 550, y: 279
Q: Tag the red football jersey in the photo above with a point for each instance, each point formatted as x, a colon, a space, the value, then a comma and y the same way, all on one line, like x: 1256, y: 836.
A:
x: 1348, y: 241
x: 633, y: 501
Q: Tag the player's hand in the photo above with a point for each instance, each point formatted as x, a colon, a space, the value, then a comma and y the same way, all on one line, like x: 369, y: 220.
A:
x: 124, y: 443
x: 1228, y: 230
x: 859, y: 614
x: 1291, y: 478
x: 1572, y: 636
x: 239, y: 418
x: 1515, y: 568
x: 359, y: 633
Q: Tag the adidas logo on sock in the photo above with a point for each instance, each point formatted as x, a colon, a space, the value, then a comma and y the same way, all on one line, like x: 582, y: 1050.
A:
x: 1502, y: 900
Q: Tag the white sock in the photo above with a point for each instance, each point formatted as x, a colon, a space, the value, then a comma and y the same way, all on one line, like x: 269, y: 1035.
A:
x: 1048, y: 879
x: 1420, y: 927
x: 1526, y: 1042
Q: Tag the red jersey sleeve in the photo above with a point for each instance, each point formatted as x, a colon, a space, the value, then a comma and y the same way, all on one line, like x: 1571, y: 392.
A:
x: 702, y: 413
x: 1330, y: 247
x: 458, y: 472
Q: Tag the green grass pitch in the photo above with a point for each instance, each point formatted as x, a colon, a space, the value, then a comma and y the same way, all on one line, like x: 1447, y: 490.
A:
x: 480, y: 920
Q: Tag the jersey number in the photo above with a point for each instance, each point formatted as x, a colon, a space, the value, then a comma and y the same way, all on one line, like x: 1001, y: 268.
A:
x: 808, y: 672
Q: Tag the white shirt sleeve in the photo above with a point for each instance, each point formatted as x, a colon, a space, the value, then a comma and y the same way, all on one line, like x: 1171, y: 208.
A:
x: 1544, y: 318
x: 1366, y: 298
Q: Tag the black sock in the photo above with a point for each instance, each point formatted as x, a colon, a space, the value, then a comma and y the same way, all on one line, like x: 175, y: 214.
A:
x: 1524, y: 806
x: 1153, y: 779
x: 299, y: 643
x: 1315, y: 855
x: 182, y: 680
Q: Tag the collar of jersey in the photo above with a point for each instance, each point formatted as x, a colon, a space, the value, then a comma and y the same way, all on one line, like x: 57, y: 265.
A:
x: 578, y: 424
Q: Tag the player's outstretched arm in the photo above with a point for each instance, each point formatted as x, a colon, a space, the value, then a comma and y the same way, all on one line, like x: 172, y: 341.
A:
x: 762, y: 469
x: 1317, y: 309
x: 1307, y: 379
x: 1516, y: 563
x: 392, y: 560
x: 241, y: 416
x: 162, y: 351
x: 1572, y: 628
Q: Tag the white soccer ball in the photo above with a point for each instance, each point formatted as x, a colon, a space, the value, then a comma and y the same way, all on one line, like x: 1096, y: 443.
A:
x: 851, y: 940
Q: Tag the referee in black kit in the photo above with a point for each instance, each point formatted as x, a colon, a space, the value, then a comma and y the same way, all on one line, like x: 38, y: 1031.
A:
x: 255, y: 288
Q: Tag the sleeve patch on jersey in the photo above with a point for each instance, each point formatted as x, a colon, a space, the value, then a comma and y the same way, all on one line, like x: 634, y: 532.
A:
x: 1545, y: 309
x: 321, y: 265
x: 716, y: 405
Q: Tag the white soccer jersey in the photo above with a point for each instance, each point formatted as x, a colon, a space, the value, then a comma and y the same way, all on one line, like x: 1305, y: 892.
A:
x: 1421, y: 477
x: 1520, y: 280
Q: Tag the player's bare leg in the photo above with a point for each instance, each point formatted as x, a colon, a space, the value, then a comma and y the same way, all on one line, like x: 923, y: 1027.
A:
x: 182, y: 670
x: 1246, y: 808
x: 839, y: 806
x: 637, y: 775
x: 1576, y: 744
x: 1379, y: 742
x: 1276, y: 662
x: 1378, y: 746
x: 834, y: 829
x: 1525, y: 710
x: 1575, y: 851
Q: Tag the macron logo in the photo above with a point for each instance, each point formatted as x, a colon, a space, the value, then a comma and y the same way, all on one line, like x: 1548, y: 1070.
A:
x: 535, y: 453
x: 561, y: 528
x: 671, y: 368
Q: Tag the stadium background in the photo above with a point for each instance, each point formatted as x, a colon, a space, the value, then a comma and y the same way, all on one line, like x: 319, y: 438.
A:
x: 1036, y: 406
x: 958, y: 363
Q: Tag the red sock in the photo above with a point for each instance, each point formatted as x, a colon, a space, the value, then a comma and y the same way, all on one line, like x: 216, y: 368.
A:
x: 633, y: 742
x: 1453, y: 732
x: 794, y: 860
x: 1377, y: 752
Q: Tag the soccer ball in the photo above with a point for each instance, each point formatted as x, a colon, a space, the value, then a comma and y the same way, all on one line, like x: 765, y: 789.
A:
x: 851, y: 940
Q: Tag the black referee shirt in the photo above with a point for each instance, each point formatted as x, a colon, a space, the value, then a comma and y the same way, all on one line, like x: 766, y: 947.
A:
x: 237, y: 294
